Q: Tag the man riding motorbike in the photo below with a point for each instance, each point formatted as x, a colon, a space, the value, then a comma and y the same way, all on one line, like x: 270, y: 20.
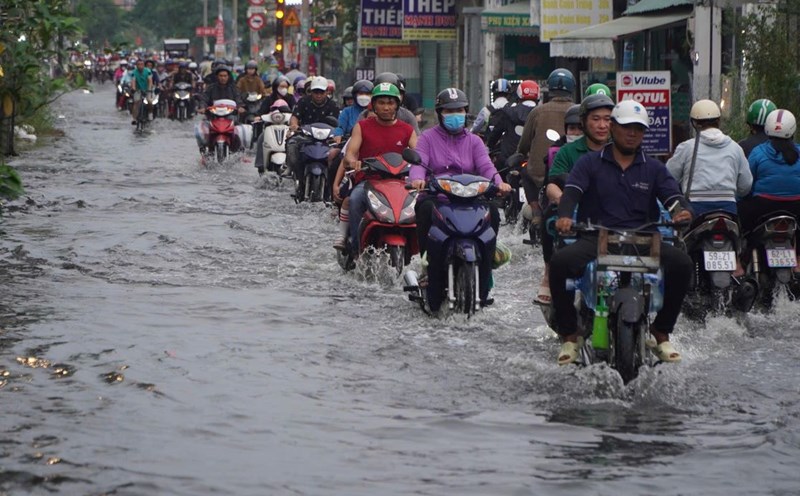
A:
x: 756, y: 116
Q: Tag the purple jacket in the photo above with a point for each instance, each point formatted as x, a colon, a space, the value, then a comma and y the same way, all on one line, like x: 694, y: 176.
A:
x: 449, y: 154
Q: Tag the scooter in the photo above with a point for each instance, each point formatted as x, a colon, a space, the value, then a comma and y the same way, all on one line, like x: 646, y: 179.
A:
x: 770, y: 255
x: 390, y: 221
x: 713, y: 244
x: 182, y: 98
x: 314, y: 157
x: 618, y: 292
x: 276, y: 131
x: 222, y: 135
x: 461, y: 245
x: 252, y: 105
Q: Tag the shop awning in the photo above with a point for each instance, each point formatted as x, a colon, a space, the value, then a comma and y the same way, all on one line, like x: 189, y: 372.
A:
x: 644, y: 6
x: 598, y: 41
x: 511, y: 19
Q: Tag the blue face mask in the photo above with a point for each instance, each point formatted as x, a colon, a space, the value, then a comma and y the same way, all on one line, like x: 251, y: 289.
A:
x: 454, y: 122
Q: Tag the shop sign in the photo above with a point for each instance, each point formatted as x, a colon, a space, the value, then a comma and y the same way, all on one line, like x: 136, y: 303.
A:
x: 652, y: 90
x: 381, y: 22
x: 429, y: 20
x: 562, y: 16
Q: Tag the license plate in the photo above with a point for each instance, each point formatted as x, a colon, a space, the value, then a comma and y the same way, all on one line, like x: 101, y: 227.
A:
x: 522, y: 197
x: 720, y: 261
x: 781, y: 258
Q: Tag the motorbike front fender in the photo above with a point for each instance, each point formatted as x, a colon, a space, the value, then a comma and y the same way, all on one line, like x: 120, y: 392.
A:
x: 466, y: 250
x: 628, y: 304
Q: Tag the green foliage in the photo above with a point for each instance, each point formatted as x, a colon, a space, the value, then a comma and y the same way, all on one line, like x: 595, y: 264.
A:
x: 155, y: 20
x: 100, y: 20
x: 10, y: 183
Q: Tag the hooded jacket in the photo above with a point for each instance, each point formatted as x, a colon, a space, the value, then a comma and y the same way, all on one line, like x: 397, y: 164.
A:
x: 772, y: 177
x: 448, y: 154
x: 721, y: 172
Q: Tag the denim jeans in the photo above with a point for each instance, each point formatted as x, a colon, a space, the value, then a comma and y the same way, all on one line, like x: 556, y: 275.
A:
x: 358, y: 205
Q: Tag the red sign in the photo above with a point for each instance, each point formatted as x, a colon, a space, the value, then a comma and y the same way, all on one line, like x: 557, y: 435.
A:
x: 256, y: 21
x: 205, y: 31
x: 220, y: 29
x: 404, y: 51
x: 256, y: 3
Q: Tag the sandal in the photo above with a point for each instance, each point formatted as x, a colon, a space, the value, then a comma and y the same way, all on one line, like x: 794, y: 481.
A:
x: 569, y: 351
x: 664, y: 351
x: 543, y: 297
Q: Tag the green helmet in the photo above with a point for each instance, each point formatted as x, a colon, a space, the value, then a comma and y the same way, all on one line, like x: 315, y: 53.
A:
x: 598, y: 89
x: 386, y: 89
x: 759, y: 110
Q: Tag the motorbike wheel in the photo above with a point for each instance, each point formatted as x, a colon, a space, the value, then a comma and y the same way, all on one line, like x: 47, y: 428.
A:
x: 397, y: 256
x: 182, y: 113
x: 317, y: 188
x: 465, y: 289
x: 626, y: 360
x: 221, y: 151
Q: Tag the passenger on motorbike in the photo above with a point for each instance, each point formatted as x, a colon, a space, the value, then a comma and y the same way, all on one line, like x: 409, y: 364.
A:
x: 595, y: 121
x: 403, y: 114
x: 371, y: 137
x: 141, y: 82
x: 408, y: 101
x: 280, y: 91
x: 509, y: 121
x: 618, y: 187
x: 347, y: 97
x: 756, y: 116
x: 251, y: 82
x: 776, y: 173
x: 450, y: 149
x: 501, y: 90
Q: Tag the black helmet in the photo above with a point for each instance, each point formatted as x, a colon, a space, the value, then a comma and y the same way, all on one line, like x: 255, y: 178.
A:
x: 451, y: 98
x: 251, y: 65
x: 561, y: 80
x: 596, y: 101
x: 222, y: 68
x: 362, y: 86
x: 386, y: 77
x: 573, y: 115
x: 401, y: 82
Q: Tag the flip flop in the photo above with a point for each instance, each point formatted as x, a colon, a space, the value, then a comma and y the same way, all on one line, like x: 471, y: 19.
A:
x: 543, y: 297
x: 664, y: 351
x: 569, y: 351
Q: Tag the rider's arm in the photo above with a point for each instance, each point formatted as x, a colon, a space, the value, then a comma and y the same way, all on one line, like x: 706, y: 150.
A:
x: 354, y: 147
x: 678, y: 161
x: 744, y: 178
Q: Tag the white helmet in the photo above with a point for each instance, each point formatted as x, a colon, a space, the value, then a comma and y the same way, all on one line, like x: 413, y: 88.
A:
x: 780, y: 124
x: 630, y: 112
x: 318, y: 83
x: 704, y: 110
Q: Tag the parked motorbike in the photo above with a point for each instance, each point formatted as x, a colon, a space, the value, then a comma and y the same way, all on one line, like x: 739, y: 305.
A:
x: 221, y: 133
x: 390, y: 221
x: 314, y: 157
x: 770, y: 256
x: 276, y: 131
x: 617, y: 293
x: 181, y: 98
x: 461, y: 245
x: 713, y: 244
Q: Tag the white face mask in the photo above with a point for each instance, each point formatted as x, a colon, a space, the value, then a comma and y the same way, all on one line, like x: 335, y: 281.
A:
x: 282, y: 91
x: 363, y: 100
x: 573, y: 137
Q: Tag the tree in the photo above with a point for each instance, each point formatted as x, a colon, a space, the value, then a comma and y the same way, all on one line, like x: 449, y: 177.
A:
x: 100, y: 20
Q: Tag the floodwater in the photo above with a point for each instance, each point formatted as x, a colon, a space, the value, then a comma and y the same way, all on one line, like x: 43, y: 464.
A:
x: 171, y: 329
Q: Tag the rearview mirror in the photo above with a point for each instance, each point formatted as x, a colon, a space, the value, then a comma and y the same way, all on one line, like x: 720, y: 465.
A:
x: 411, y: 156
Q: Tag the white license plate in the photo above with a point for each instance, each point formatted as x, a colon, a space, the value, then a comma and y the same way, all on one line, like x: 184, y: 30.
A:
x: 781, y: 258
x: 522, y: 197
x: 720, y: 261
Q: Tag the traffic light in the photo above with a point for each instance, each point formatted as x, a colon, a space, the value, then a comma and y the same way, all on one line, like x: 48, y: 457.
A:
x: 279, y: 13
x: 280, y: 10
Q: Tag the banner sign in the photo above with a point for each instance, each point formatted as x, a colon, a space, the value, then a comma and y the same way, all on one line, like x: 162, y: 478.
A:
x: 563, y: 16
x: 652, y: 90
x: 402, y: 51
x: 381, y: 23
x: 429, y: 20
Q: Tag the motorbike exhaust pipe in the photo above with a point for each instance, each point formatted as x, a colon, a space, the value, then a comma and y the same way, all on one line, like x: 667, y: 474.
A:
x: 410, y: 281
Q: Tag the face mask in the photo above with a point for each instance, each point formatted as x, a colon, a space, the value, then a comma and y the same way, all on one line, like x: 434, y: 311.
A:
x: 282, y: 91
x: 363, y: 100
x: 573, y: 137
x: 454, y: 122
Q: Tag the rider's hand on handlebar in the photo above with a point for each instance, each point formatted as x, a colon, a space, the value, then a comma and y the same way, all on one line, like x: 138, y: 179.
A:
x: 418, y: 184
x: 337, y: 139
x: 504, y: 189
x: 356, y: 165
x: 564, y: 225
x: 682, y: 217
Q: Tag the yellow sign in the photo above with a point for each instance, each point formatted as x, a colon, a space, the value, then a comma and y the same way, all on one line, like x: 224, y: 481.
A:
x: 291, y: 19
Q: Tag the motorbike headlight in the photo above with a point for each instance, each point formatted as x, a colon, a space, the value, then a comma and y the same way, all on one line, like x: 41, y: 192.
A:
x: 320, y: 133
x: 407, y: 215
x: 470, y: 190
x: 177, y: 95
x: 381, y: 209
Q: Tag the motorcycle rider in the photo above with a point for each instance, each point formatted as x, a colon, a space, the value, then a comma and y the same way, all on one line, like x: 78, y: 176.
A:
x: 720, y: 172
x: 756, y: 115
x: 534, y: 142
x: 371, y: 137
x: 450, y: 149
x: 408, y: 101
x: 362, y: 96
x: 251, y: 82
x: 776, y: 173
x: 597, y: 89
x: 501, y: 90
x: 347, y: 97
x: 280, y: 91
x: 182, y: 76
x: 510, y: 119
x: 223, y: 88
x: 618, y: 187
x: 403, y: 113
x: 119, y: 73
x: 595, y: 122
x: 141, y: 82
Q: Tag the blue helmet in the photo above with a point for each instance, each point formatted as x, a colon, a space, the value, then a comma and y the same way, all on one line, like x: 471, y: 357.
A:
x: 501, y: 86
x: 561, y: 80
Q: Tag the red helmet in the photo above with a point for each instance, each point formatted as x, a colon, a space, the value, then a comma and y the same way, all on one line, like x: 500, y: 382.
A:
x: 528, y: 90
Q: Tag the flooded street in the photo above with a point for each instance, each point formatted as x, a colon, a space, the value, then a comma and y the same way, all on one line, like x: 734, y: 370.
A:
x: 172, y: 329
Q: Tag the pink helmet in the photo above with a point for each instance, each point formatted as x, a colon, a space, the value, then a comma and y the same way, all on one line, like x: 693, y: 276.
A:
x: 279, y: 105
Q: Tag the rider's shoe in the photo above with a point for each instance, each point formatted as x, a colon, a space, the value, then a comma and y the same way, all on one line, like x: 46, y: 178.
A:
x: 570, y: 351
x: 340, y: 244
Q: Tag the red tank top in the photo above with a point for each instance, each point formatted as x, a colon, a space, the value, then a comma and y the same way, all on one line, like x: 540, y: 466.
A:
x: 377, y: 139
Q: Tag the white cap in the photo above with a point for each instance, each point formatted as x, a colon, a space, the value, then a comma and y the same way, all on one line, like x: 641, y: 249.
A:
x: 630, y: 112
x: 319, y: 83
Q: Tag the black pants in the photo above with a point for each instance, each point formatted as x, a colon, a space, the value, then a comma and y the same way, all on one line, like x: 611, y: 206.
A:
x: 424, y: 216
x: 570, y: 261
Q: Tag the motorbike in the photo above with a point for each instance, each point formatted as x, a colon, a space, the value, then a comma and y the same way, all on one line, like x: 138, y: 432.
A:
x: 142, y: 117
x: 617, y: 293
x: 713, y: 243
x: 513, y: 204
x: 390, y: 221
x: 150, y: 102
x: 770, y: 256
x: 87, y: 71
x: 276, y: 131
x: 252, y: 104
x: 314, y: 157
x: 181, y: 97
x: 125, y: 96
x: 221, y: 133
x: 461, y: 245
